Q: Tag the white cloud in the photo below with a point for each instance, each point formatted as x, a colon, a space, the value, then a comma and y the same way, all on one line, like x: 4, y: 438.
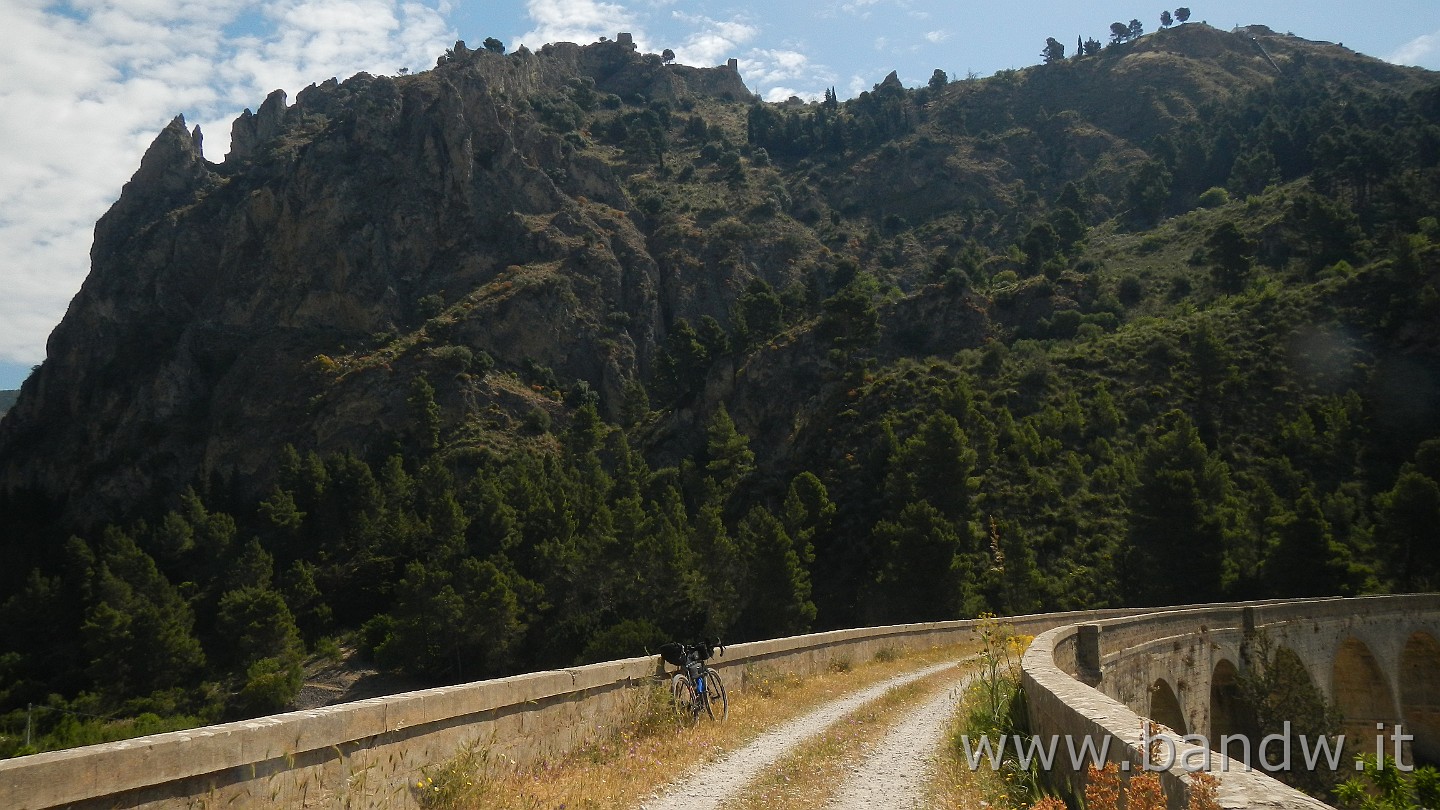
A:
x: 860, y: 8
x: 785, y: 93
x: 86, y: 87
x: 777, y: 72
x: 320, y: 39
x: 579, y: 21
x: 1423, y: 50
x: 771, y: 66
x: 936, y: 37
x: 712, y: 41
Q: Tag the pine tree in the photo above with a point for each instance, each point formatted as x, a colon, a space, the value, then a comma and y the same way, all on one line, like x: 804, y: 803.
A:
x: 728, y: 458
x: 934, y: 465
x: 1179, y: 515
x: 1229, y: 253
x: 808, y: 513
x: 777, y: 600
x: 1013, y: 580
x: 254, y: 622
x: 682, y: 362
x: 427, y: 413
x: 1054, y: 51
x: 302, y: 593
x: 138, y: 632
x: 1404, y: 531
x: 1148, y: 191
x: 759, y: 313
x: 918, y: 574
x: 850, y: 318
x: 1305, y: 559
x: 722, y: 569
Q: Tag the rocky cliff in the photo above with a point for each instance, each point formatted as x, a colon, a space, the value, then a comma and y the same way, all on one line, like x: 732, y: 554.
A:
x: 375, y: 214
x: 557, y: 213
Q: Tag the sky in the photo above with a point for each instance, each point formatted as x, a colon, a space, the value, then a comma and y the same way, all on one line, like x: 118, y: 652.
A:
x: 85, y: 85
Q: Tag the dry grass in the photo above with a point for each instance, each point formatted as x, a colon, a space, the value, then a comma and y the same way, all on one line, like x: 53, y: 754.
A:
x: 982, y: 710
x: 812, y: 774
x: 637, y: 762
x: 955, y: 784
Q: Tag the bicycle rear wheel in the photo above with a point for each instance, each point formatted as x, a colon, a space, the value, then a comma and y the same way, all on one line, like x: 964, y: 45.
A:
x: 717, y: 703
x: 687, y: 710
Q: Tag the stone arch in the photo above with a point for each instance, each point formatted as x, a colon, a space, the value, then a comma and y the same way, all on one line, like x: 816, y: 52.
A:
x: 1165, y: 707
x: 1361, y: 694
x: 1420, y: 694
x: 1227, y: 710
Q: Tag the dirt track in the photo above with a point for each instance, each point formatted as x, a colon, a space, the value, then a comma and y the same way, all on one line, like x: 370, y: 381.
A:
x: 895, y: 773
x: 892, y: 775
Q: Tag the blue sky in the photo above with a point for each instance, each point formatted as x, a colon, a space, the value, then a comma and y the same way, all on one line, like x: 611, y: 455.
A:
x: 86, y: 84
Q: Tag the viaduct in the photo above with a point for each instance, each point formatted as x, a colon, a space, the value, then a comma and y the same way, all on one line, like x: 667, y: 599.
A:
x: 1088, y: 674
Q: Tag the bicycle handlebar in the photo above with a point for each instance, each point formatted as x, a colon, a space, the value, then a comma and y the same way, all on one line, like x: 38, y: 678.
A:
x: 704, y: 647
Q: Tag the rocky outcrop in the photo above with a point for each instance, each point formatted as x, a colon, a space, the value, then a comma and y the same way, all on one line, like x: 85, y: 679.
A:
x: 383, y: 229
x: 294, y: 292
x: 252, y: 129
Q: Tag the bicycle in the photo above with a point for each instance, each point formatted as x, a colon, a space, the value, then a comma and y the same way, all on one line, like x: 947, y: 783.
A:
x: 696, y: 687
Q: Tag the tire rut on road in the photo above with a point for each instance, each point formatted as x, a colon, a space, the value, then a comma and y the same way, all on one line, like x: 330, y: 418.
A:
x: 713, y: 784
x: 896, y: 774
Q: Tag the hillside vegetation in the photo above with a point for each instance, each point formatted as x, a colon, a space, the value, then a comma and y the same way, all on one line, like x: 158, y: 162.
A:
x: 544, y: 358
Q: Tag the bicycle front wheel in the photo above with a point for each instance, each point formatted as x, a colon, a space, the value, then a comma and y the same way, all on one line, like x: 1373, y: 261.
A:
x: 687, y: 708
x: 717, y: 704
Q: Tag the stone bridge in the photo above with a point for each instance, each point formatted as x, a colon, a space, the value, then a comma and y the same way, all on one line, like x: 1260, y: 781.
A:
x: 1091, y: 673
x: 1376, y: 658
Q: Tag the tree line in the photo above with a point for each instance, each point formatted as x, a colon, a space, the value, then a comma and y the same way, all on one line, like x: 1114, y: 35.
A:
x: 1120, y: 33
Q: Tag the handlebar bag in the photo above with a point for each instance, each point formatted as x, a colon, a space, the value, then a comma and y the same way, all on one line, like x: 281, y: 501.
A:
x: 673, y: 653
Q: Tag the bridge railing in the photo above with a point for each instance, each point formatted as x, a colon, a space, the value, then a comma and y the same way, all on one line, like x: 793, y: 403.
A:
x: 1064, y: 666
x: 369, y: 753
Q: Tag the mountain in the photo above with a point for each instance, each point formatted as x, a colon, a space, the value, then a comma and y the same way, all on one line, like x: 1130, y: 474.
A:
x: 572, y: 350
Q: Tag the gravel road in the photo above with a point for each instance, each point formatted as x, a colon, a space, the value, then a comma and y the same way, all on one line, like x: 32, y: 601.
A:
x: 713, y: 784
x: 895, y: 773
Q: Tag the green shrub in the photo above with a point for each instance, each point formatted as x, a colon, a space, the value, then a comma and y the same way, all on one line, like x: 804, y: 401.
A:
x: 458, y: 357
x: 1065, y: 323
x: 431, y: 305
x: 1214, y: 197
x: 270, y: 685
x: 537, y: 420
x: 1132, y: 290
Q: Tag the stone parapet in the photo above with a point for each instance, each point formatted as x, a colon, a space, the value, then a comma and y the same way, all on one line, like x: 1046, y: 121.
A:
x: 1098, y: 680
x: 370, y: 753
